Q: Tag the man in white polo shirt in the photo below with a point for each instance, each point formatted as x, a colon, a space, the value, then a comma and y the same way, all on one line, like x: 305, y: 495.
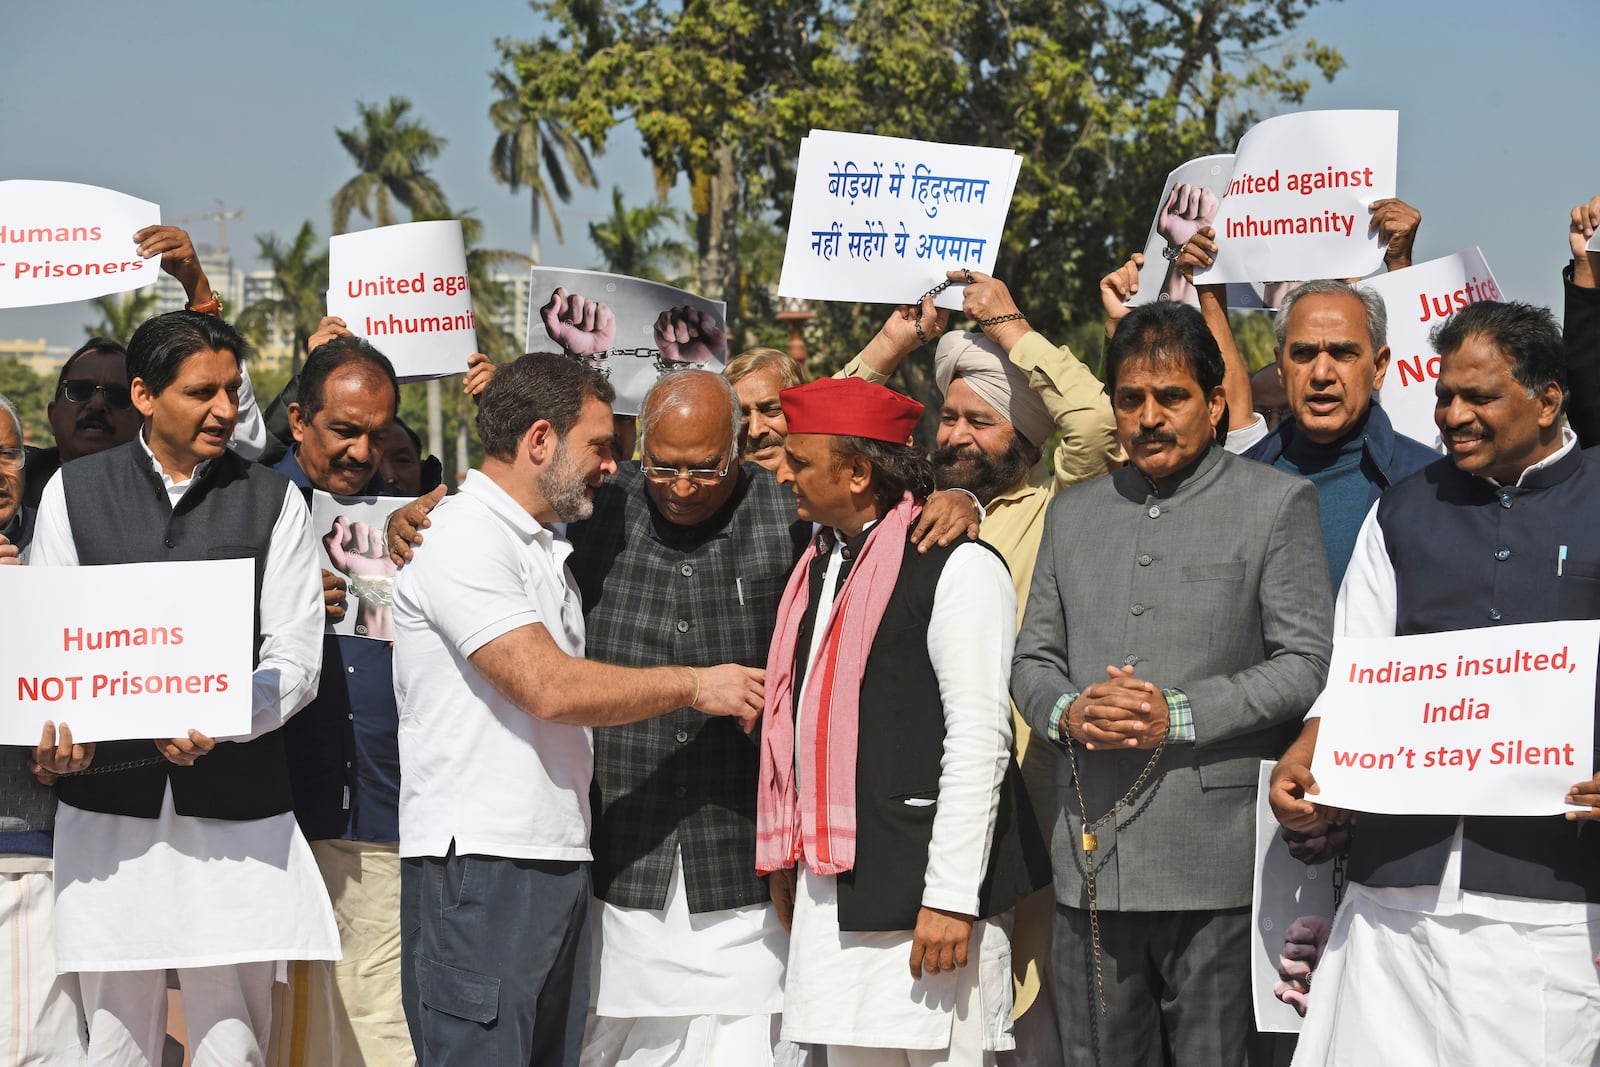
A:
x: 496, y: 701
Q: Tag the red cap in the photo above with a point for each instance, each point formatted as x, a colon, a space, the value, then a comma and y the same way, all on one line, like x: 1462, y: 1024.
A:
x: 850, y: 407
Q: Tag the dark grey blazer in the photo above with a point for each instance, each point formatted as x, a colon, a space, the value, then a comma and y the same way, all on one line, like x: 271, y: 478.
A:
x: 1217, y: 585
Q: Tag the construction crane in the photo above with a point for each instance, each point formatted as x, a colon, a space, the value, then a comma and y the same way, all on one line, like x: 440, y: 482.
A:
x: 220, y: 217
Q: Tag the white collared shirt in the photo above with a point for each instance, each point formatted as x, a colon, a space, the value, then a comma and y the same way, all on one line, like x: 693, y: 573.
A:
x: 475, y: 768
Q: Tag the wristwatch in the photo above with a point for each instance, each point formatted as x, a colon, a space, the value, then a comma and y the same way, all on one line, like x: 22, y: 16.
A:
x: 210, y: 307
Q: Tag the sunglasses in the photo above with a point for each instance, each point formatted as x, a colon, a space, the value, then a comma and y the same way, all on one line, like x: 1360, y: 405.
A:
x: 117, y: 397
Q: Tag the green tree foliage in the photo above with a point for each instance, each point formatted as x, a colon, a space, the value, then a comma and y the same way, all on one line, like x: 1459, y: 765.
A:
x: 1102, y: 97
x: 31, y: 393
x: 531, y: 151
x: 300, y: 267
x: 639, y: 241
x: 119, y: 314
x: 390, y: 150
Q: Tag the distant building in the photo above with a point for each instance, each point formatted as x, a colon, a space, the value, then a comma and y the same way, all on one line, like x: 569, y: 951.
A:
x: 39, y: 357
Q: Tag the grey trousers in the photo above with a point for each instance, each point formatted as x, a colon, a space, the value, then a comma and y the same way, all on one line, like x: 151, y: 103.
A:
x: 1177, y: 988
x: 498, y: 954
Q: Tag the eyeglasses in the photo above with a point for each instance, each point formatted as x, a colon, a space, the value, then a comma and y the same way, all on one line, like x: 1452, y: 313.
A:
x: 78, y: 392
x: 701, y: 476
x: 11, y: 459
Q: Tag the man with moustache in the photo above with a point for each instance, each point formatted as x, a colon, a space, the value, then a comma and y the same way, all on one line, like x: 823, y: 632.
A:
x: 1176, y: 626
x: 1007, y: 391
x: 1486, y: 922
x: 344, y: 757
x: 139, y: 887
x: 496, y: 703
x: 758, y: 376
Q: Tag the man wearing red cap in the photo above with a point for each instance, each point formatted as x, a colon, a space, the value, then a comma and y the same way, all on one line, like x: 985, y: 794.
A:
x: 888, y: 797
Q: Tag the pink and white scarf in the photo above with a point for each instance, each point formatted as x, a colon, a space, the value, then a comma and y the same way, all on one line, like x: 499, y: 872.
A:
x: 816, y: 822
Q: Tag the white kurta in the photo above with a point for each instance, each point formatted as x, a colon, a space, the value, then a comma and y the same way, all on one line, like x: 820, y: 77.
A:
x: 182, y: 891
x: 1436, y: 973
x: 855, y: 988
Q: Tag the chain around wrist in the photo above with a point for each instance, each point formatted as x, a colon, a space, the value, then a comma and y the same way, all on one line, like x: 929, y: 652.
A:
x: 998, y: 319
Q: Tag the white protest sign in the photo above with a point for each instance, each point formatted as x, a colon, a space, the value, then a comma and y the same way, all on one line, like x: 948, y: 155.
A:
x: 881, y: 219
x: 1419, y: 299
x: 349, y: 530
x: 630, y: 330
x: 1594, y: 243
x: 1497, y: 721
x: 1296, y: 204
x: 127, y: 651
x: 1188, y: 202
x: 404, y: 288
x: 60, y: 241
x: 1291, y: 899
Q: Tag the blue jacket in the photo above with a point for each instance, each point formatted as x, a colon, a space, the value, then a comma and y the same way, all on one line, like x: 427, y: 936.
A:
x: 1386, y: 454
x: 344, y: 748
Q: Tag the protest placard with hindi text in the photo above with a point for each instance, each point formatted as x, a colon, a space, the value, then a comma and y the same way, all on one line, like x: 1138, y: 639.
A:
x: 1497, y: 721
x: 133, y: 650
x: 1296, y: 203
x: 404, y: 288
x: 881, y: 219
x: 61, y: 241
x: 1419, y: 300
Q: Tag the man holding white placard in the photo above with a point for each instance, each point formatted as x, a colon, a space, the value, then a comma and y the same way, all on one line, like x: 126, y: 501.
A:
x: 1482, y: 921
x: 186, y: 854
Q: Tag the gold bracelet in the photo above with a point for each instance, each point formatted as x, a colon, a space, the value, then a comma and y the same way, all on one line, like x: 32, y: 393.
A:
x: 696, y: 676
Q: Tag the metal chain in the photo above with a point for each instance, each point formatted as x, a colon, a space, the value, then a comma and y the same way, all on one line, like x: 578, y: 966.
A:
x: 995, y: 320
x: 126, y: 765
x: 922, y: 338
x: 1090, y: 843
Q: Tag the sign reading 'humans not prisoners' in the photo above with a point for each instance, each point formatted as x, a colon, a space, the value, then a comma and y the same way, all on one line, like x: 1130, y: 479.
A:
x: 116, y: 653
x: 61, y: 241
x: 1497, y: 721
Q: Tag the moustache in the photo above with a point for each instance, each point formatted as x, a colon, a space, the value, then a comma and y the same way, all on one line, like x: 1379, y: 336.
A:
x: 766, y: 440
x: 952, y: 453
x: 95, y: 421
x: 1147, y: 437
x: 350, y: 465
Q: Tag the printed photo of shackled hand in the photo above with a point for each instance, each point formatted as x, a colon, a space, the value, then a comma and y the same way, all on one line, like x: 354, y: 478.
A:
x: 1189, y: 208
x: 1303, y: 944
x: 357, y: 549
x: 581, y: 326
x: 688, y: 336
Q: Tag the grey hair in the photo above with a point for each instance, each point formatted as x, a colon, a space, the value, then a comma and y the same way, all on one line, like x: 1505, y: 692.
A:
x: 11, y: 409
x: 669, y: 389
x: 1377, y: 314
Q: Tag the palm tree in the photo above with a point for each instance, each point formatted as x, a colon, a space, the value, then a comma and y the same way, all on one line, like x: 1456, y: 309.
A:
x: 631, y: 242
x: 389, y: 150
x: 301, y: 272
x: 122, y: 313
x: 534, y: 151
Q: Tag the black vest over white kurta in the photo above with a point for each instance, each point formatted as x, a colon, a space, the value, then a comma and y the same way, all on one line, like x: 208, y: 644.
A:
x: 1466, y: 555
x: 120, y: 513
x: 899, y: 749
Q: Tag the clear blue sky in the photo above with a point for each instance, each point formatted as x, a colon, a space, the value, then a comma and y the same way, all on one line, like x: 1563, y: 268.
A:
x: 184, y: 105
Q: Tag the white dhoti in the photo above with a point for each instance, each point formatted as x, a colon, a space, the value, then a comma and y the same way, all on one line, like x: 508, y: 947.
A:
x: 671, y: 987
x: 854, y: 992
x: 41, y: 1014
x: 1398, y: 985
x: 220, y: 901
